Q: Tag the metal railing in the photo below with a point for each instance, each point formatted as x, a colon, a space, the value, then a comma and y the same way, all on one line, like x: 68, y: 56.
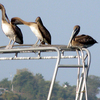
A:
x: 84, y: 59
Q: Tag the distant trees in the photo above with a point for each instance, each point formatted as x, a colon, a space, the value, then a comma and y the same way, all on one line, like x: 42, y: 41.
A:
x: 30, y: 86
x: 33, y: 87
x: 93, y: 87
x: 5, y: 84
x: 11, y: 96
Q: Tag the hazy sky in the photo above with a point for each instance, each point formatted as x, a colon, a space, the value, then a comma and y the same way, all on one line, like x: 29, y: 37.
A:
x: 59, y: 17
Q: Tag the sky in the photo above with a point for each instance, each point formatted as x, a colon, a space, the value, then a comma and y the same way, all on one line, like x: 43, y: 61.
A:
x: 59, y: 17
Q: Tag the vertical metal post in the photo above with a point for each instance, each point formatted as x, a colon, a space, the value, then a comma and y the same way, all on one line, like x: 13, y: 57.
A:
x: 78, y: 76
x: 84, y: 81
x: 87, y: 70
x: 89, y: 60
x: 80, y: 85
x: 54, y: 75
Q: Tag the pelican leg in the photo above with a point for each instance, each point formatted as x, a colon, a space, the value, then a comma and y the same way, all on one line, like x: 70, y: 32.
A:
x: 42, y: 42
x: 8, y: 46
x: 12, y: 45
x: 36, y: 42
x: 13, y: 42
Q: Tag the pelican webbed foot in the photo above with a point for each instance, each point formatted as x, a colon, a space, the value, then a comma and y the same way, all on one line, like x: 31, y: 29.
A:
x: 8, y: 47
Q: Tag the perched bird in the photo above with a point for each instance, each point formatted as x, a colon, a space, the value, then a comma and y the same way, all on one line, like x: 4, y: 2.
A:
x: 83, y: 41
x: 37, y: 28
x: 45, y: 33
x: 13, y: 32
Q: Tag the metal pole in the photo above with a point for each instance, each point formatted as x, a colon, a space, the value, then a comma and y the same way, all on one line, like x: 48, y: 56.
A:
x: 11, y: 83
x: 78, y: 76
x: 84, y: 74
x: 88, y: 63
x: 54, y: 75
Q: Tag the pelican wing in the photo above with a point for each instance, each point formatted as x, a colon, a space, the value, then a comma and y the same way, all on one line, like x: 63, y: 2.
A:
x: 85, y: 39
x: 18, y: 33
x: 45, y: 33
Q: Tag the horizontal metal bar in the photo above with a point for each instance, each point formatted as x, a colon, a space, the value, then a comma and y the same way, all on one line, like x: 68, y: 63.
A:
x: 25, y: 50
x: 30, y: 48
x: 39, y: 57
x: 71, y: 66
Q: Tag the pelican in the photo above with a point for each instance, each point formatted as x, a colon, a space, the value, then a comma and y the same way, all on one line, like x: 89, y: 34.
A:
x: 13, y: 32
x: 37, y: 28
x: 45, y: 33
x: 83, y: 41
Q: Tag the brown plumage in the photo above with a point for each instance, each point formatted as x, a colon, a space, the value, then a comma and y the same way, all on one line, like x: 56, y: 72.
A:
x: 83, y: 40
x: 37, y: 28
x: 45, y: 33
x: 13, y: 32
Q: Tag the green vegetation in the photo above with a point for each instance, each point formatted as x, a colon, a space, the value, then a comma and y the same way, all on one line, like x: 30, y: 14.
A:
x: 28, y: 86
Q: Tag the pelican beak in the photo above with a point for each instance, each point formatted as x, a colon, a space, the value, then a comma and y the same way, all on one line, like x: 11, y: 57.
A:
x: 72, y: 36
x: 75, y: 32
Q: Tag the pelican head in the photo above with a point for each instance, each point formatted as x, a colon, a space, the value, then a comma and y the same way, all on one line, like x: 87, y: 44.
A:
x: 16, y: 21
x: 75, y: 31
x: 38, y: 20
x: 1, y: 6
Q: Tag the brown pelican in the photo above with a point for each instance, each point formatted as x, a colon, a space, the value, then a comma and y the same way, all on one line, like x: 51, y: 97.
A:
x: 37, y: 28
x: 13, y: 32
x: 45, y: 33
x: 83, y: 41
